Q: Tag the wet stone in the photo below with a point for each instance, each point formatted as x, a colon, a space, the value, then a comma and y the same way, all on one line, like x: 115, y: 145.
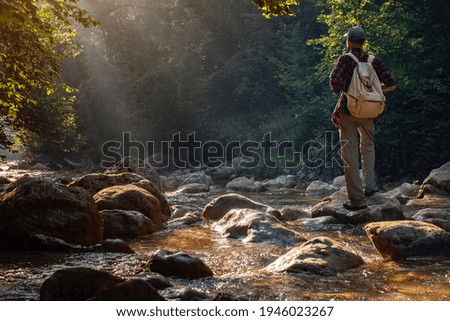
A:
x: 178, y: 264
x: 321, y: 255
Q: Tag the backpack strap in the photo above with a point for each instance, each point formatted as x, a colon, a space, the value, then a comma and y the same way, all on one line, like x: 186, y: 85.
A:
x: 352, y: 56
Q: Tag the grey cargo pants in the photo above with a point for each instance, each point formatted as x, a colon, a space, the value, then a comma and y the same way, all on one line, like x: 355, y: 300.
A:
x: 349, y: 127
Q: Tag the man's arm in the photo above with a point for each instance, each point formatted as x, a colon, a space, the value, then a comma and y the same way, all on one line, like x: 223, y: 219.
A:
x: 336, y: 76
x: 386, y: 79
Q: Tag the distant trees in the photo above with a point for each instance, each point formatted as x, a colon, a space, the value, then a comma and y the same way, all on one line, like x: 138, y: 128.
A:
x: 155, y: 68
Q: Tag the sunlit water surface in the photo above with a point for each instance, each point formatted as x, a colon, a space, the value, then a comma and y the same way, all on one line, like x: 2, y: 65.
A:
x: 239, y: 267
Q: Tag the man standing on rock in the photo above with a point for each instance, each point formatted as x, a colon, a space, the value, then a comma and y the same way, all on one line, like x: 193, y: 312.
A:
x: 350, y: 126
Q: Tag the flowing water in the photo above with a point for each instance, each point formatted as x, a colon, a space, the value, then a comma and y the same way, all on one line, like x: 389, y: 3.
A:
x: 239, y: 267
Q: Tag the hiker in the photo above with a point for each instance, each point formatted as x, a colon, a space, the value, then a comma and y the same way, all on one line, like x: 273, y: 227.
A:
x: 350, y: 126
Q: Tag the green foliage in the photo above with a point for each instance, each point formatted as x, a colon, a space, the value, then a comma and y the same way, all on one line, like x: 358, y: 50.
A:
x: 273, y: 8
x: 36, y: 36
x: 59, y: 136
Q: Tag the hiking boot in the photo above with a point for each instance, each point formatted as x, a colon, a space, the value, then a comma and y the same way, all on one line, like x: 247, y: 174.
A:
x: 355, y: 206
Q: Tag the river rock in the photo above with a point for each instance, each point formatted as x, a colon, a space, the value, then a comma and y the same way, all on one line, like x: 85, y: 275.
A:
x: 4, y: 180
x: 76, y: 284
x: 188, y: 219
x: 222, y: 173
x: 318, y: 221
x: 130, y: 290
x: 292, y: 213
x: 80, y: 284
x: 255, y: 226
x: 121, y: 223
x: 428, y: 213
x: 218, y: 207
x: 380, y: 208
x: 244, y: 184
x: 32, y: 206
x: 321, y: 255
x: 436, y: 216
x: 198, y: 178
x: 178, y: 211
x: 184, y: 294
x: 403, y: 239
x: 39, y: 167
x: 280, y: 182
x: 172, y: 182
x: 193, y: 188
x: 135, y: 165
x: 443, y: 224
x: 404, y: 192
x: 36, y: 242
x: 158, y: 281
x: 95, y: 182
x: 339, y: 181
x: 178, y: 264
x: 319, y: 188
x: 130, y: 198
x: 438, y: 181
x: 113, y: 245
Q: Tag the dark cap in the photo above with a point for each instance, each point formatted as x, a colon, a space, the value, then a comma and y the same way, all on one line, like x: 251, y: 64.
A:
x: 356, y: 34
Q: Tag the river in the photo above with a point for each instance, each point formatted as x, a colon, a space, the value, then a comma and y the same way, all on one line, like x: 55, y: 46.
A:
x: 239, y: 267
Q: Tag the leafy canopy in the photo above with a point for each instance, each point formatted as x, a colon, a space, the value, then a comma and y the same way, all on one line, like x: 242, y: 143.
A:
x: 276, y: 7
x: 36, y: 35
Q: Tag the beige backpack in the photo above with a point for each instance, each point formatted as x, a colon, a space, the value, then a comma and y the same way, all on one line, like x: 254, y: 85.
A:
x: 365, y: 98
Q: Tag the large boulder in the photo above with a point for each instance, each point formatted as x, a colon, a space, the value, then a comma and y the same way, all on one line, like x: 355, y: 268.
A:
x: 244, y: 184
x: 438, y: 181
x: 80, y: 284
x: 218, y: 207
x: 130, y: 198
x: 95, y: 182
x: 380, y: 208
x: 121, y: 223
x: 319, y: 188
x: 321, y: 255
x: 178, y: 264
x: 76, y: 284
x: 135, y: 165
x: 256, y: 226
x: 403, y: 239
x: 32, y: 206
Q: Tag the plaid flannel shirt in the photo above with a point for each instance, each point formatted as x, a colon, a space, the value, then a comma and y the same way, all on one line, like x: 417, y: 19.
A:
x: 341, y: 77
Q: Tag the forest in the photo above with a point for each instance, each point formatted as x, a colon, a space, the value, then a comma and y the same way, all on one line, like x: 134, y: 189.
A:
x: 76, y: 74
